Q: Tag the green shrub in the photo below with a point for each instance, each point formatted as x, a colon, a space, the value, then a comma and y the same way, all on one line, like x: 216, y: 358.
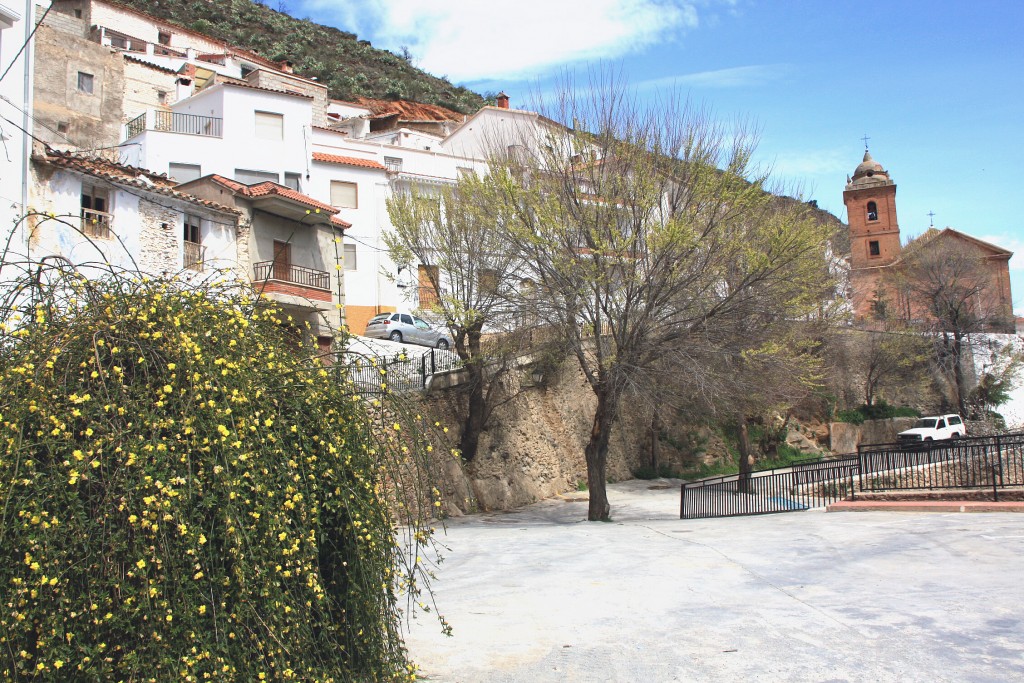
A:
x: 185, y: 495
x: 880, y: 410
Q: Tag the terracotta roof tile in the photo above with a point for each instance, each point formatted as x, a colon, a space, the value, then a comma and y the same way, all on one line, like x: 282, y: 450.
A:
x: 131, y: 176
x: 268, y: 187
x: 409, y: 111
x: 348, y: 161
x: 341, y: 222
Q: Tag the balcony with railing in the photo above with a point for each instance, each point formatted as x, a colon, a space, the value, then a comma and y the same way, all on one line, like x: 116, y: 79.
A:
x: 193, y: 256
x: 174, y: 122
x: 96, y: 223
x: 285, y: 278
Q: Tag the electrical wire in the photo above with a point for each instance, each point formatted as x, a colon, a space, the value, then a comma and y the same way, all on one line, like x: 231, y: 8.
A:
x: 27, y: 41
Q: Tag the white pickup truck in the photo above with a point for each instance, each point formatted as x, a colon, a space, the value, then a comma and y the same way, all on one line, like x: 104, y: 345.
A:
x: 935, y: 428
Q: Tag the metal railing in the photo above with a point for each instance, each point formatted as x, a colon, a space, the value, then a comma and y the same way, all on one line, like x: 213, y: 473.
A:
x: 402, y: 373
x: 96, y: 223
x: 174, y: 122
x: 995, y: 462
x: 299, y: 275
x: 801, y: 486
x: 192, y: 257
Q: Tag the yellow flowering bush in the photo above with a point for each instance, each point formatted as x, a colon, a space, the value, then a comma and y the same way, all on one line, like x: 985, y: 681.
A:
x: 186, y: 495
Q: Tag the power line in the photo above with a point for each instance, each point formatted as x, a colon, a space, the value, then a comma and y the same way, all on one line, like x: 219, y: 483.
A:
x: 27, y: 41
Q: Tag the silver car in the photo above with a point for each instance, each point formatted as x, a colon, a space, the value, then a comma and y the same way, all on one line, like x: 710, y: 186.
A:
x: 403, y: 327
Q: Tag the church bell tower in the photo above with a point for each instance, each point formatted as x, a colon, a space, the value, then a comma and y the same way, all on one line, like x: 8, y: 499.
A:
x: 870, y: 199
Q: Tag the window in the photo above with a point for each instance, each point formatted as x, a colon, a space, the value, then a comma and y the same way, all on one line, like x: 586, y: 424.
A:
x: 407, y: 319
x: 192, y: 257
x: 428, y: 275
x: 872, y: 211
x: 393, y: 164
x: 488, y: 281
x: 248, y: 177
x: 247, y: 69
x: 161, y: 96
x: 873, y: 248
x: 293, y: 180
x: 95, y: 212
x: 163, y: 37
x: 269, y: 126
x: 184, y: 173
x: 350, y: 257
x: 344, y: 195
x: 85, y: 82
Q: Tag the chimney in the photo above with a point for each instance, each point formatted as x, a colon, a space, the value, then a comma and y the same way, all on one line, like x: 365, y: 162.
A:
x: 502, y: 99
x: 285, y: 66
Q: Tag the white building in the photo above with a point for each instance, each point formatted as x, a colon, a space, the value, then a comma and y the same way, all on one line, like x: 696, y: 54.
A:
x: 15, y: 110
x: 100, y: 214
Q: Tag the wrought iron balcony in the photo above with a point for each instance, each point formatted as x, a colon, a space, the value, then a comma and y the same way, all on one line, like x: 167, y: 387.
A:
x: 174, y: 122
x: 297, y: 275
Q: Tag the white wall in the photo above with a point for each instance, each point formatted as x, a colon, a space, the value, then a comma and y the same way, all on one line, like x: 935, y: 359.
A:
x: 15, y: 21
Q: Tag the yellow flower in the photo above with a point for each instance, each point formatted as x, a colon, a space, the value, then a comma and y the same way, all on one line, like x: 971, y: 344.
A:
x: 141, y: 564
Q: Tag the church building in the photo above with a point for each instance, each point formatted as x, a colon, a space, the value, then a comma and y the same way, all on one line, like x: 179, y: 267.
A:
x: 877, y: 255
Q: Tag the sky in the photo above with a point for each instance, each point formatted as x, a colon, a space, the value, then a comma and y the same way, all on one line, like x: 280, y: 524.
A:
x: 937, y: 87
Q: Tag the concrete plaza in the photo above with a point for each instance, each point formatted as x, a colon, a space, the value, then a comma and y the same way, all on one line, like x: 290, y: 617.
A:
x: 540, y: 595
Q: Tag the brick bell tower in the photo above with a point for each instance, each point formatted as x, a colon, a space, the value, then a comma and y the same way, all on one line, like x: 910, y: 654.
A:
x: 870, y: 199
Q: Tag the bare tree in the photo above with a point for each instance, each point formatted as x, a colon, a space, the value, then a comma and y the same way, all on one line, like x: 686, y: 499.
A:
x: 644, y: 227
x: 450, y: 232
x: 891, y: 359
x: 948, y: 290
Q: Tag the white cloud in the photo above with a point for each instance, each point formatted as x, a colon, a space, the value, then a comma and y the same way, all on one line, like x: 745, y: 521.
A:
x: 735, y: 77
x: 817, y: 162
x: 470, y: 40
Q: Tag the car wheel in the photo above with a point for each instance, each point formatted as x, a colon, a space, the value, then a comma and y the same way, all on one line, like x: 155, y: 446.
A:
x: 442, y: 344
x: 955, y: 435
x: 395, y: 336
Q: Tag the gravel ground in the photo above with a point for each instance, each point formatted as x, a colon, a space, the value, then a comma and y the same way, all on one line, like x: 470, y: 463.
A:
x: 540, y: 595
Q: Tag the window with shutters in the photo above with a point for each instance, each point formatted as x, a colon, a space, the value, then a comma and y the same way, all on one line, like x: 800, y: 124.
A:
x: 344, y: 195
x: 350, y: 257
x: 184, y: 173
x: 269, y: 126
x: 250, y: 177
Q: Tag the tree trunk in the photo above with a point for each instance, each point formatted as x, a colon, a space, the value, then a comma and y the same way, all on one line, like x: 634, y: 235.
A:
x: 655, y: 432
x: 476, y: 408
x: 958, y: 374
x: 746, y: 465
x: 597, y: 458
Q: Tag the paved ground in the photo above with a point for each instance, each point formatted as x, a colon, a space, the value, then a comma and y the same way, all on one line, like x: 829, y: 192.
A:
x: 539, y: 595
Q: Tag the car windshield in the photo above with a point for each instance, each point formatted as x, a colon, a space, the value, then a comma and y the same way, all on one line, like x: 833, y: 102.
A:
x: 925, y: 423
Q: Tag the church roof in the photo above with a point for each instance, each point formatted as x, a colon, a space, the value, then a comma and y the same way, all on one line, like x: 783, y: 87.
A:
x: 992, y: 251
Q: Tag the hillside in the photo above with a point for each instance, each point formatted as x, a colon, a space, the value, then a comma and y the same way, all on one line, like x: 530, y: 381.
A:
x: 350, y: 67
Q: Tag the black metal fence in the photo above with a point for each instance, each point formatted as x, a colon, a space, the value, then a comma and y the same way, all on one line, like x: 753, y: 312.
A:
x: 174, y: 122
x: 401, y: 373
x: 287, y: 272
x: 983, y: 462
x: 801, y: 486
x: 995, y: 462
